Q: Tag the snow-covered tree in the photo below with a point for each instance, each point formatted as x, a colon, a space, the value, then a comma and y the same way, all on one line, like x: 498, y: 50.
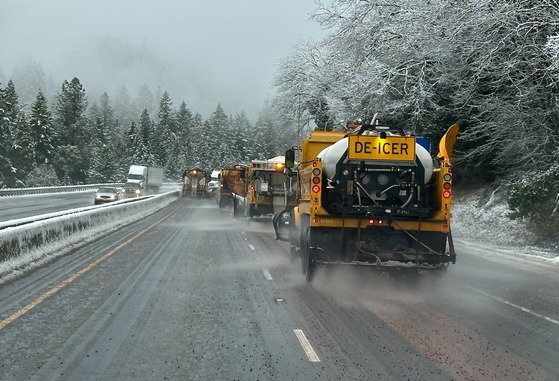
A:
x: 165, y: 131
x: 180, y: 153
x: 144, y: 154
x: 16, y: 156
x: 73, y: 132
x: 105, y: 148
x: 242, y: 138
x: 217, y: 136
x: 42, y: 130
x: 5, y: 165
x: 424, y: 65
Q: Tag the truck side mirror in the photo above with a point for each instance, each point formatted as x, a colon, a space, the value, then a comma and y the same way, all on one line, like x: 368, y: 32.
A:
x: 290, y: 158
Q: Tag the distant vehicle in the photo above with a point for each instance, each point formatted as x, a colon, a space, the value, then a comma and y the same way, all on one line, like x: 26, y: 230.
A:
x: 214, y: 184
x: 106, y: 194
x: 269, y: 189
x: 131, y: 190
x: 233, y: 188
x: 195, y: 182
x: 142, y: 180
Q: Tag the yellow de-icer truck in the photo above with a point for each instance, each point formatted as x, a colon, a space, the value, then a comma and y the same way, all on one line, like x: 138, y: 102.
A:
x: 372, y: 196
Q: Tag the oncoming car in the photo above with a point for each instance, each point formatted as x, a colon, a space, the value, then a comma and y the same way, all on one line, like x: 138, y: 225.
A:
x: 106, y: 194
x: 131, y: 190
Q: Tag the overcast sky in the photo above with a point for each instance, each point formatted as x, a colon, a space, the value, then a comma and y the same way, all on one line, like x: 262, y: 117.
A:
x: 204, y: 52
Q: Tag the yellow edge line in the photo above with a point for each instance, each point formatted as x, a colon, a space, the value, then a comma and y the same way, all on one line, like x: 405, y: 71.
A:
x: 22, y: 311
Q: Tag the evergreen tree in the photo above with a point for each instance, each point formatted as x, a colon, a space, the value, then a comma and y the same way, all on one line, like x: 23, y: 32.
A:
x: 135, y: 142
x: 5, y: 164
x: 145, y: 154
x: 15, y: 140
x: 11, y: 102
x: 109, y: 124
x: 42, y: 130
x: 266, y: 137
x: 22, y: 153
x: 165, y: 131
x: 217, y: 134
x: 104, y: 161
x: 181, y: 151
x: 74, y: 136
x: 242, y: 138
x: 70, y: 110
x: 199, y: 151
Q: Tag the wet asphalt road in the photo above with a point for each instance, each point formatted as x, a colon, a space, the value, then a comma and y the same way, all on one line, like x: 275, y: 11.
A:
x: 192, y: 294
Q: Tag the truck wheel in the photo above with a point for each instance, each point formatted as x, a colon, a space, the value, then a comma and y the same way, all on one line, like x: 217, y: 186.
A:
x: 307, y: 257
x: 294, y: 241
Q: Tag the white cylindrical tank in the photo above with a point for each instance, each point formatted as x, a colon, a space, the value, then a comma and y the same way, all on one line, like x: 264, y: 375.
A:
x: 331, y: 155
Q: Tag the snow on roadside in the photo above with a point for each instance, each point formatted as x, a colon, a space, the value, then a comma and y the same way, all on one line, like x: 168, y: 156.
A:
x: 482, y: 216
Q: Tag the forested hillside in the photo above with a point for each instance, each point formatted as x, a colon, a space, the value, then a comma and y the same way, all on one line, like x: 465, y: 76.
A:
x: 72, y: 140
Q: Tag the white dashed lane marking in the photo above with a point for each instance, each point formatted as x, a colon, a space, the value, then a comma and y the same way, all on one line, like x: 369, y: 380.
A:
x: 307, y: 347
x: 267, y: 274
x: 524, y: 309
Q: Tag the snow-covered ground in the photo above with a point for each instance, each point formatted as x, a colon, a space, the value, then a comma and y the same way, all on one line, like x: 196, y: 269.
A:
x: 481, y: 216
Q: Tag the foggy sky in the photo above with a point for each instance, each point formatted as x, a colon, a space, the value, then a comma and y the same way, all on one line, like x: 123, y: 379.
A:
x: 203, y: 52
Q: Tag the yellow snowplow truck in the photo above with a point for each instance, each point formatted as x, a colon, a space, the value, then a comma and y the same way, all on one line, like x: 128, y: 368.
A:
x: 270, y: 190
x: 372, y: 196
x: 195, y: 182
x: 232, y: 183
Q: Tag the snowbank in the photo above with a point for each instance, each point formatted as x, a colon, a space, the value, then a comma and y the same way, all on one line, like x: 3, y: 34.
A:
x: 481, y: 216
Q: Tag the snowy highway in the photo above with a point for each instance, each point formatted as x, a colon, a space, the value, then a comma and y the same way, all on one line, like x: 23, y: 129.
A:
x: 192, y: 294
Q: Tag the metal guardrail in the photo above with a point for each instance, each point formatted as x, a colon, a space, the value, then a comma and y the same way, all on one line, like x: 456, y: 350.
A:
x: 68, y: 188
x: 40, y: 236
x: 40, y: 190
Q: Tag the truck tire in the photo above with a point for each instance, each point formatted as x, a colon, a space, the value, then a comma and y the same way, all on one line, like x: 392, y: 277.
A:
x: 294, y: 243
x: 307, y: 259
